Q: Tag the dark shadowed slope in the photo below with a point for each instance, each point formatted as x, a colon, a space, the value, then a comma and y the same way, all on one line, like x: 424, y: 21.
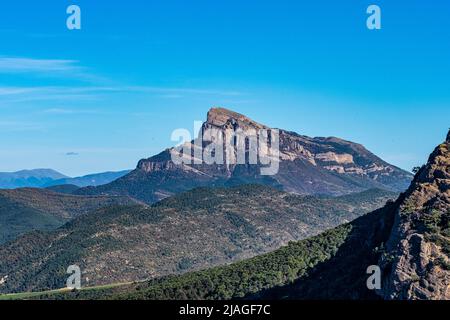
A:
x: 64, y: 188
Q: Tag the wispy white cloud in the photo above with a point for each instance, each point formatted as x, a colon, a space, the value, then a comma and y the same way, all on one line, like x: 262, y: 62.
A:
x: 84, y: 93
x: 64, y: 111
x: 48, y: 68
x: 19, y: 126
x: 92, y: 87
x: 101, y: 88
x: 179, y: 90
x: 24, y: 65
x: 50, y: 93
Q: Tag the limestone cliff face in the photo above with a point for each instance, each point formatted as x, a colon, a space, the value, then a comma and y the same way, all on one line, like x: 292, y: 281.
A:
x: 416, y: 264
x: 331, y: 155
x: 306, y: 165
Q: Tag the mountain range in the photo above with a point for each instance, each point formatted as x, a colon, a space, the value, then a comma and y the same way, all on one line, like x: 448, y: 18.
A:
x: 328, y: 166
x: 408, y: 239
x: 29, y: 178
x: 42, y: 178
x: 222, y: 231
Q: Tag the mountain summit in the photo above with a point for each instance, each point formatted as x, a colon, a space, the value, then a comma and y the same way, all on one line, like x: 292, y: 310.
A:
x: 329, y: 166
x: 219, y: 117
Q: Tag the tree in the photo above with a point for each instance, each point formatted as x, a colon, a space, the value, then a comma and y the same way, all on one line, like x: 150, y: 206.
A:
x: 416, y: 169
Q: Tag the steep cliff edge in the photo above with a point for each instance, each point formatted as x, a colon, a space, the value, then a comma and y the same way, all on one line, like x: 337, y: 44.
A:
x: 319, y: 165
x: 416, y: 264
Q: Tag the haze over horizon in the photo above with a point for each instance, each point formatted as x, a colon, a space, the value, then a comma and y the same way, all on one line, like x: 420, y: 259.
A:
x: 101, y: 98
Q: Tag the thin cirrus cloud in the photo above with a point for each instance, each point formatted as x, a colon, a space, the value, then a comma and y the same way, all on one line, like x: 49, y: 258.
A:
x: 10, y: 91
x: 63, y: 93
x: 19, y: 126
x: 50, y: 93
x: 47, y: 68
x: 63, y: 67
x: 28, y: 65
x: 63, y: 111
x: 99, y: 88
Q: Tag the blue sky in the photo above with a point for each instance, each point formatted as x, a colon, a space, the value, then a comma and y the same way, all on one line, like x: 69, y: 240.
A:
x: 103, y: 97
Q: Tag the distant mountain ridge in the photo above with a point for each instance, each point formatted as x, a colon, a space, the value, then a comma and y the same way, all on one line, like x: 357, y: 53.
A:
x: 95, y: 179
x: 42, y: 178
x: 329, y: 166
x: 29, y: 178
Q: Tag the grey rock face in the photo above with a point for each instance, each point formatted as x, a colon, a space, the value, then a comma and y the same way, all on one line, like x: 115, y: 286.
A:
x: 417, y: 260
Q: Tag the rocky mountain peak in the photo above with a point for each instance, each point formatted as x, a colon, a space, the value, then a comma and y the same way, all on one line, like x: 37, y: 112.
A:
x: 306, y: 165
x: 220, y: 117
x: 433, y: 180
x: 448, y: 137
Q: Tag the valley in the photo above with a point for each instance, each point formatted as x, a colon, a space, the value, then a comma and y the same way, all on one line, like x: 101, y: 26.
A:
x: 190, y: 231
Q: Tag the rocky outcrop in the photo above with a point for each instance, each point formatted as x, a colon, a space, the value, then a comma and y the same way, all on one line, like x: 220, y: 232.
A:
x: 221, y: 117
x: 416, y: 263
x: 409, y: 239
x: 306, y: 165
